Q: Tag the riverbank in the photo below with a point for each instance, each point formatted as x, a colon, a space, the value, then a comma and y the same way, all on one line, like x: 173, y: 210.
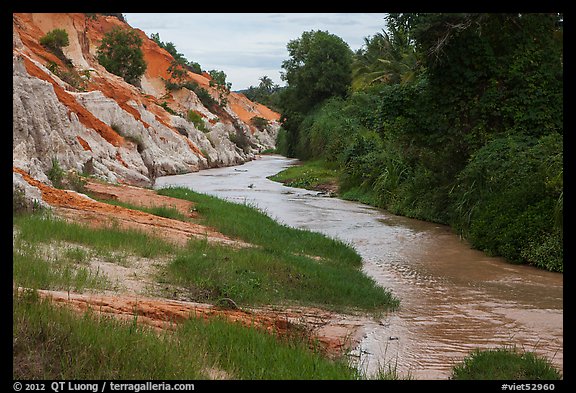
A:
x: 453, y: 299
x: 326, y: 177
x: 160, y: 259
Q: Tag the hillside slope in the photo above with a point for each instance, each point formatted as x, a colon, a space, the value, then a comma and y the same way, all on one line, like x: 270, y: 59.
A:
x: 90, y: 121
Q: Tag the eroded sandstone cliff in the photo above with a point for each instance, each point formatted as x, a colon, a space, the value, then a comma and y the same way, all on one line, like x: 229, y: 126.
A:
x: 101, y: 125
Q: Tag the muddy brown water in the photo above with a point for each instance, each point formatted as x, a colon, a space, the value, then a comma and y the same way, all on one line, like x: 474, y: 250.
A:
x: 454, y: 299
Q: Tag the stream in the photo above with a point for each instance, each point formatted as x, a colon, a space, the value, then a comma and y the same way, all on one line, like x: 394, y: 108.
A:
x: 453, y: 299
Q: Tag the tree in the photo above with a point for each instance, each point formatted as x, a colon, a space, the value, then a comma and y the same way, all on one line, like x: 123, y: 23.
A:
x: 388, y: 58
x: 120, y: 54
x: 266, y: 84
x: 319, y: 68
x: 222, y: 87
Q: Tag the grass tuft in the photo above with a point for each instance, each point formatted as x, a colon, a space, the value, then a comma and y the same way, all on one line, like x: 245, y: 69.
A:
x: 505, y: 364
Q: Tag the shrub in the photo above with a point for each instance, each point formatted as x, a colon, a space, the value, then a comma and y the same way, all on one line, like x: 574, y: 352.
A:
x: 197, y: 120
x: 56, y: 174
x: 282, y: 142
x: 55, y: 40
x: 240, y: 139
x: 120, y: 54
x: 507, y: 199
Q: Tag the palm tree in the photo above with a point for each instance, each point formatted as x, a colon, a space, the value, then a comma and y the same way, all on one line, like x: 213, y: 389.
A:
x: 385, y: 58
x: 266, y: 84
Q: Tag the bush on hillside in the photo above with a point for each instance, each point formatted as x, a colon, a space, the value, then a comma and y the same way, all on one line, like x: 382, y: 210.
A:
x: 120, y: 54
x: 55, y: 40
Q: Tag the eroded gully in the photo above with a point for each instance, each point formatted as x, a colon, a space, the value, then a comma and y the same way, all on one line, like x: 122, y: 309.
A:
x: 453, y: 299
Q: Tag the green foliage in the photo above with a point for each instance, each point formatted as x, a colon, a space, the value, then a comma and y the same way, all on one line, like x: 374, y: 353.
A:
x: 455, y: 118
x: 505, y: 200
x: 282, y: 142
x: 505, y: 364
x: 386, y: 59
x: 218, y: 81
x: 319, y: 68
x: 120, y: 54
x: 56, y: 174
x: 197, y: 119
x: 55, y: 40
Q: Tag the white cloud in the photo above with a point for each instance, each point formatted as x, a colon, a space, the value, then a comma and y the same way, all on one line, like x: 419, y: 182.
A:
x: 247, y: 46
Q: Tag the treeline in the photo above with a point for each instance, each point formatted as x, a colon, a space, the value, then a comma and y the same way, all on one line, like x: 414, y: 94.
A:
x: 266, y: 93
x: 450, y: 118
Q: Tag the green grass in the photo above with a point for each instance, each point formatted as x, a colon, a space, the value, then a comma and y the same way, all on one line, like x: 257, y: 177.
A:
x: 51, y: 342
x: 309, y: 174
x: 253, y: 226
x: 42, y: 228
x: 32, y: 271
x: 287, y: 266
x: 259, y: 276
x: 280, y: 271
x: 505, y: 364
x: 291, y: 265
x: 362, y: 195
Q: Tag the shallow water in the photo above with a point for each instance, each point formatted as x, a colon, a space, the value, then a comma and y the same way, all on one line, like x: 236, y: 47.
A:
x: 453, y: 299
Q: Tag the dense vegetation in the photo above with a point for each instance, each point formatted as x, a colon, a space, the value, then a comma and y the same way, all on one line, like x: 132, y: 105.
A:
x: 451, y: 118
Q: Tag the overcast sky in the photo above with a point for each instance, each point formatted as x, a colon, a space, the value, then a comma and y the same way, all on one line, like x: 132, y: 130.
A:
x: 249, y: 46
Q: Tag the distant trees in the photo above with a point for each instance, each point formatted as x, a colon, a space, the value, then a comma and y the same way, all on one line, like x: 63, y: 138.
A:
x: 266, y: 93
x: 121, y: 54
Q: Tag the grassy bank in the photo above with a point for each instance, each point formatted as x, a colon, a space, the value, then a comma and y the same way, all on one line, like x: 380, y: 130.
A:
x: 312, y: 175
x: 51, y: 342
x: 285, y: 267
x: 290, y: 265
x: 321, y: 175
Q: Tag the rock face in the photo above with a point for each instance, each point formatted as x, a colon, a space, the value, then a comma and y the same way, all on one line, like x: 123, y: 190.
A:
x: 88, y: 120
